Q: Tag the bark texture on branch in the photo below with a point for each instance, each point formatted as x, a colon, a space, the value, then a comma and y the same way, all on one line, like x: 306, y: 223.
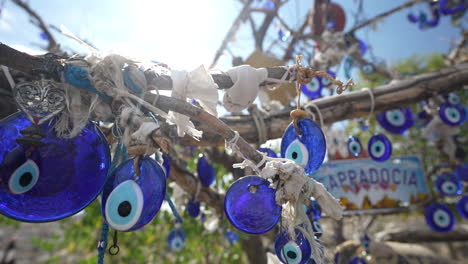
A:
x: 423, y: 234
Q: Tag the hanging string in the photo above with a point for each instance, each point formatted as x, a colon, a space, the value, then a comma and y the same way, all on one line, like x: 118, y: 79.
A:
x: 371, y: 94
x: 8, y: 76
x: 173, y: 208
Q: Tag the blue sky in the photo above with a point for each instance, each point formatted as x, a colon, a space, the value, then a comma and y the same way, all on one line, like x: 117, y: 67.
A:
x: 185, y: 34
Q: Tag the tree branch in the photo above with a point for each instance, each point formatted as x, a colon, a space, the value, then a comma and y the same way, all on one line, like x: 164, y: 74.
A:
x: 421, y: 234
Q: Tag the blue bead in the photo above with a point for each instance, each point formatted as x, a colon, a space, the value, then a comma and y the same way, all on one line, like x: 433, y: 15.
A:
x: 270, y: 153
x: 379, y: 147
x: 422, y: 119
x: 232, y: 236
x: 293, y: 251
x: 445, y: 9
x: 317, y: 227
x: 205, y: 171
x: 439, y: 217
x: 130, y: 84
x: 193, y: 208
x: 396, y: 121
x: 130, y: 201
x: 357, y: 260
x: 462, y: 206
x: 449, y: 184
x: 354, y: 146
x: 250, y: 205
x: 176, y: 239
x: 71, y: 172
x: 307, y: 149
x: 462, y: 171
x: 362, y: 47
x: 314, y: 210
x: 452, y: 115
x: 314, y: 89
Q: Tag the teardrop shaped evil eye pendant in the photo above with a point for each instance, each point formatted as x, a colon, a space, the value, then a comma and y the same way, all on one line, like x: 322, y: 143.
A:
x: 314, y: 89
x: 452, y: 115
x: 439, y: 217
x: 354, y: 146
x: 193, y: 208
x: 250, y: 205
x: 130, y: 199
x: 293, y: 251
x: 396, y: 121
x: 379, y: 147
x: 308, y: 149
x: 205, y: 171
x: 449, y: 184
x: 40, y: 179
x: 176, y: 239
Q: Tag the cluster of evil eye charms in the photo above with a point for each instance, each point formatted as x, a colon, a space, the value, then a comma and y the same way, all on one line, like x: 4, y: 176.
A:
x: 379, y: 147
x: 133, y: 194
x: 439, y: 217
x: 396, y: 121
x: 176, y: 239
x: 449, y: 184
x: 293, y: 251
x: 306, y: 149
x: 46, y: 178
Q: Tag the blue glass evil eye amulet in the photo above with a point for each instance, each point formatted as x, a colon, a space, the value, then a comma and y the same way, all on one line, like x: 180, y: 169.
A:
x: 452, y: 115
x: 250, y: 205
x: 52, y: 181
x: 439, y: 217
x: 308, y: 149
x: 449, y: 184
x: 325, y: 81
x: 462, y: 206
x: 293, y: 251
x: 205, y: 171
x: 313, y: 90
x: 354, y: 146
x: 379, y: 147
x: 130, y: 201
x: 176, y: 239
x: 396, y: 121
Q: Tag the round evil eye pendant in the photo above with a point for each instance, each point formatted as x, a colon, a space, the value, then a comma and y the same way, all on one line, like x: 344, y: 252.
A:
x: 313, y: 89
x: 176, y: 239
x: 462, y: 206
x: 396, y: 121
x: 379, y: 147
x: 293, y: 251
x: 325, y: 81
x: 307, y: 149
x: 439, y: 217
x: 250, y: 205
x: 367, y: 69
x: 354, y: 146
x: 452, y: 115
x: 130, y: 199
x: 449, y: 184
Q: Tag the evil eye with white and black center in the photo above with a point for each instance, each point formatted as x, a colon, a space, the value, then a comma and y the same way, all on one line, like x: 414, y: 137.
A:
x: 290, y: 251
x: 354, y: 146
x: 439, y: 217
x: 367, y: 68
x: 462, y: 206
x: 24, y: 178
x: 449, y: 184
x: 325, y: 81
x: 307, y: 149
x: 317, y: 227
x: 379, y: 147
x: 452, y: 115
x: 176, y: 239
x: 453, y: 98
x: 396, y: 121
x: 130, y: 201
x: 314, y: 88
x: 357, y: 260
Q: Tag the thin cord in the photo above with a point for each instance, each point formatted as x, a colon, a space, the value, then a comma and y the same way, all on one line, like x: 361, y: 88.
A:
x: 173, y: 208
x: 371, y: 94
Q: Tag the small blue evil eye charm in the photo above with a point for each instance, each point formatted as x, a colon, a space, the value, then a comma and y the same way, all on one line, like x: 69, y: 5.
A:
x: 449, y: 184
x: 453, y: 98
x: 365, y: 242
x: 452, y: 115
x: 176, y: 239
x: 354, y: 146
x: 193, y: 208
x: 367, y: 69
x: 449, y: 9
x: 166, y: 165
x: 206, y: 172
x: 422, y: 119
x: 357, y: 260
x: 51, y: 180
x: 462, y: 206
x: 462, y: 171
x: 293, y: 251
x: 313, y: 210
x: 313, y: 90
x: 250, y: 205
x: 379, y: 147
x: 439, y: 217
x: 308, y: 149
x: 325, y: 81
x: 270, y: 153
x: 232, y: 236
x: 317, y: 227
x: 396, y: 121
x: 129, y: 200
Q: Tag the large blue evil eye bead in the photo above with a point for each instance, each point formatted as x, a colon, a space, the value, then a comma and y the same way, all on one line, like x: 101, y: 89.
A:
x: 439, y: 217
x: 129, y: 200
x: 176, y: 239
x: 452, y: 115
x: 250, y: 205
x: 205, y: 171
x: 314, y: 88
x: 449, y: 184
x: 396, y: 121
x: 308, y: 149
x: 270, y: 153
x: 53, y: 181
x: 379, y: 147
x: 317, y: 227
x: 462, y: 206
x: 354, y: 146
x: 193, y: 208
x: 357, y: 260
x: 292, y: 251
x: 325, y: 81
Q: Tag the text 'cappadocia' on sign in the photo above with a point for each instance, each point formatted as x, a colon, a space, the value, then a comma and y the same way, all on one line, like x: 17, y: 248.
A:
x: 367, y: 184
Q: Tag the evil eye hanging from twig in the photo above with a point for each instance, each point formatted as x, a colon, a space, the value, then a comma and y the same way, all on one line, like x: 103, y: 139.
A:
x: 206, y: 172
x: 250, y: 205
x: 448, y: 9
x: 45, y: 178
x: 133, y: 194
x: 423, y: 21
x: 379, y: 147
x: 325, y: 81
x: 396, y: 121
x: 293, y: 251
x: 313, y: 89
x: 270, y: 153
x: 462, y: 206
x: 449, y: 184
x: 193, y: 208
x: 439, y: 217
x: 367, y: 69
x: 354, y: 146
x: 452, y: 115
x: 176, y: 239
x: 308, y: 149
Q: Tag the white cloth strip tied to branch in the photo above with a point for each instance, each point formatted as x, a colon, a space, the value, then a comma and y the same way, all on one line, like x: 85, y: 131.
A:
x: 199, y: 85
